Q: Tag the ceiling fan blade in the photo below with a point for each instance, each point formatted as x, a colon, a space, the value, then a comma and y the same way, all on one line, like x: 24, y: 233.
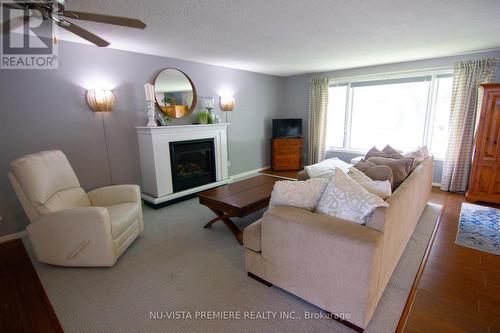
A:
x: 116, y: 20
x: 85, y: 34
x: 12, y: 5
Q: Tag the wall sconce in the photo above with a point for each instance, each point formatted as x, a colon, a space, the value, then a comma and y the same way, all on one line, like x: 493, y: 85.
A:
x: 101, y: 100
x: 227, y: 103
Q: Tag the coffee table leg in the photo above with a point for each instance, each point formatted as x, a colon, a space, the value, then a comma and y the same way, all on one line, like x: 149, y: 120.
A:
x: 229, y: 224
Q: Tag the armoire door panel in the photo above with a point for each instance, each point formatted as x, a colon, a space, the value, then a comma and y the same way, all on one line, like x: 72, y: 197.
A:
x: 485, y: 179
x: 496, y: 186
x: 489, y: 150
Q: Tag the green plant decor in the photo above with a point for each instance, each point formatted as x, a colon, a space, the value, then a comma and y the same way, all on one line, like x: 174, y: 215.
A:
x: 204, y: 117
x: 167, y: 101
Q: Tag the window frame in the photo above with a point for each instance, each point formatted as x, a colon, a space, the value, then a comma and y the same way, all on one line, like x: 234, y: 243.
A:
x: 430, y: 113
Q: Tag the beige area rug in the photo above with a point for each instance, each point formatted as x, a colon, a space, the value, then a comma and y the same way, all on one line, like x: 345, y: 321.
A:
x: 179, y: 272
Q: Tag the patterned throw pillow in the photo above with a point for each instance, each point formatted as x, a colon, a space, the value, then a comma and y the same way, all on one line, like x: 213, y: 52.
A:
x: 346, y: 199
x: 300, y: 194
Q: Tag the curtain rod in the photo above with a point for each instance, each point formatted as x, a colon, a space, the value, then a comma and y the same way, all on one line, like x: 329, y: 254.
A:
x: 429, y: 70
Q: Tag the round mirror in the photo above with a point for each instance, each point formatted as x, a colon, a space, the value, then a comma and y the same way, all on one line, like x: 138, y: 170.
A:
x: 175, y: 93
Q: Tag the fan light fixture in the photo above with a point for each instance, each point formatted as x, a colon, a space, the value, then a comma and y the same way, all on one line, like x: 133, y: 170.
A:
x: 101, y: 100
x: 227, y: 103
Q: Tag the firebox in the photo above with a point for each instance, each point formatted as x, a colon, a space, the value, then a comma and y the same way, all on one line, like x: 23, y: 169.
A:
x: 192, y: 163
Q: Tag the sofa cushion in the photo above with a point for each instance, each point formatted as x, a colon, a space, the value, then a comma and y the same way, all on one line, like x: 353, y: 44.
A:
x: 387, y: 152
x: 375, y: 172
x: 325, y: 168
x: 300, y: 194
x: 346, y: 199
x: 392, y: 151
x: 380, y: 173
x: 358, y: 175
x: 418, y: 156
x: 400, y: 167
x: 302, y: 175
x: 382, y: 189
x: 122, y: 216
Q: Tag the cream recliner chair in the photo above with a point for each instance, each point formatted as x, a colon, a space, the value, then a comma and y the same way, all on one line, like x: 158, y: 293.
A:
x: 69, y: 227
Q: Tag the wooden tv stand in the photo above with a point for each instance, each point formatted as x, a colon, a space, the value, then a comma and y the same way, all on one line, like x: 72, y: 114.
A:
x: 286, y: 153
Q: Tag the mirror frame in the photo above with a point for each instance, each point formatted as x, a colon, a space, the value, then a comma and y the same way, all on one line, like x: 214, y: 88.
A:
x: 195, y: 96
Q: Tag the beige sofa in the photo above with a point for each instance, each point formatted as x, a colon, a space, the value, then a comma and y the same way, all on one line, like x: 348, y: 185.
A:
x: 341, y: 267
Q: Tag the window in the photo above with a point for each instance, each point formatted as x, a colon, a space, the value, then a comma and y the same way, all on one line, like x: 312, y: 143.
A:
x: 404, y: 112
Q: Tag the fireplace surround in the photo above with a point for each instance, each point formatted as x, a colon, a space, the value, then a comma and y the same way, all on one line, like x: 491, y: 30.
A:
x: 180, y: 160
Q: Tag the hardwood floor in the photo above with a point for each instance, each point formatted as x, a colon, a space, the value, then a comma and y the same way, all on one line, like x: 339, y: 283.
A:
x: 24, y: 306
x: 459, y: 289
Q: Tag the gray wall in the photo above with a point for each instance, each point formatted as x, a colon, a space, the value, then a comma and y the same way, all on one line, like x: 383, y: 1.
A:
x: 296, y: 90
x: 46, y: 109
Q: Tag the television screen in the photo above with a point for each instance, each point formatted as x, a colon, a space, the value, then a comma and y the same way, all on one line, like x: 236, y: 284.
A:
x: 287, y: 128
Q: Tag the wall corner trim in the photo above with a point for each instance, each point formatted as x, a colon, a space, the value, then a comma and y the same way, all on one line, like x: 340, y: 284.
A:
x: 247, y: 174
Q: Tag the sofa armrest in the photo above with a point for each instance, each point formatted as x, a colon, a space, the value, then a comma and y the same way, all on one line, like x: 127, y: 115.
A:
x: 331, y: 262
x: 74, y: 237
x: 252, y: 235
x: 299, y: 222
x: 115, y: 194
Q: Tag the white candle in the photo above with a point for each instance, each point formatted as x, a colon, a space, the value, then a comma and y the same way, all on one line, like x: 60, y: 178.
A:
x: 150, y: 92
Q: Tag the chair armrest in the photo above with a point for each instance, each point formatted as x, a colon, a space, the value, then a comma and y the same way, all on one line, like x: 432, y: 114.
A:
x: 115, y: 194
x: 74, y: 237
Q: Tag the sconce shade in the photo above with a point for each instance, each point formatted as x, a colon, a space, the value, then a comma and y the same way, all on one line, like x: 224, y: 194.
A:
x: 227, y: 103
x: 101, y: 100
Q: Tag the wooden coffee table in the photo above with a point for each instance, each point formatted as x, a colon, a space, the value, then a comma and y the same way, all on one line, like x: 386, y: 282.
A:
x: 238, y: 200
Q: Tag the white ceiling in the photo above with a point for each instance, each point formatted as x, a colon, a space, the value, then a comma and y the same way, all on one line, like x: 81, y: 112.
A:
x: 286, y: 37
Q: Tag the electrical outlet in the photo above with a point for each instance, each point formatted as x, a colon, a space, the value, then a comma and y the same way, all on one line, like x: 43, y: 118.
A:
x: 228, y: 163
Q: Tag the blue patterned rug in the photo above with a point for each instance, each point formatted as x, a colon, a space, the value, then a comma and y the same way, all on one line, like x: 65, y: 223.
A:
x: 479, y: 228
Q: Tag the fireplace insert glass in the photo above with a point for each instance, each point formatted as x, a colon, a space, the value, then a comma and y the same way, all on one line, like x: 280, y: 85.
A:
x: 192, y: 163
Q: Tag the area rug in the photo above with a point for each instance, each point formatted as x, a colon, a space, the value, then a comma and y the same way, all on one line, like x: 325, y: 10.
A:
x: 179, y: 277
x: 479, y: 228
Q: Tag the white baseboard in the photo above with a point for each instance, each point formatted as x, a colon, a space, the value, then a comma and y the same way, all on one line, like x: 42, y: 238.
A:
x: 247, y: 174
x: 16, y: 235
x: 436, y: 184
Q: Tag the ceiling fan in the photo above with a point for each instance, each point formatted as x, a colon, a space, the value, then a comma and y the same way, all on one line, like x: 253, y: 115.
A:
x: 55, y: 10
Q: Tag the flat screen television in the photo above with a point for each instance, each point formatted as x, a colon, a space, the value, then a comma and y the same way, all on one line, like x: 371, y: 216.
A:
x: 287, y: 128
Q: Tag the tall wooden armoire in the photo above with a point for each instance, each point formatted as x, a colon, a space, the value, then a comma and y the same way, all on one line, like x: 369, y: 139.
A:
x: 484, y: 182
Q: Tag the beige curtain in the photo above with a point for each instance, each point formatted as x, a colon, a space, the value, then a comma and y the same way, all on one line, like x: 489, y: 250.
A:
x: 467, y: 76
x: 318, y: 106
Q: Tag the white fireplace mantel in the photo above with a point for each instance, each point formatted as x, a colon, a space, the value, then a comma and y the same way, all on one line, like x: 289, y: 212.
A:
x: 154, y: 150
